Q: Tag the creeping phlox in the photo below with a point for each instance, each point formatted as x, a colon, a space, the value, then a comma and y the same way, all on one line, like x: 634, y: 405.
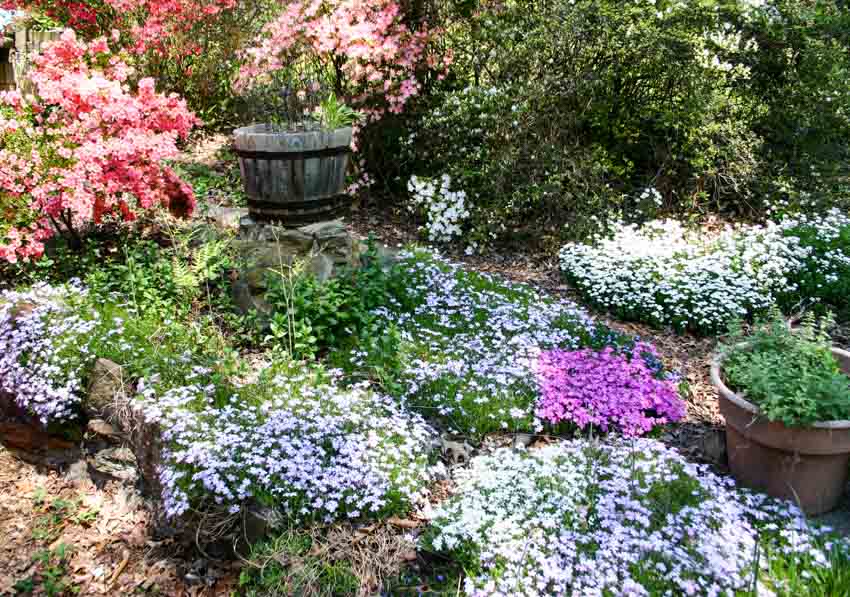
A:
x: 470, y: 345
x: 630, y: 517
x: 608, y: 389
x: 46, y: 350
x: 444, y: 210
x: 315, y: 450
x: 665, y: 275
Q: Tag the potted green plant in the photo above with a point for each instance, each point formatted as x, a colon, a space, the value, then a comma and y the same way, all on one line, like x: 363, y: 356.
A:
x: 785, y: 395
x: 294, y: 158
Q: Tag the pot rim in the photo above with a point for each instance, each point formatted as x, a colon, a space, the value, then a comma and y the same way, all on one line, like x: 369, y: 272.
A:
x: 251, y: 129
x: 739, y: 401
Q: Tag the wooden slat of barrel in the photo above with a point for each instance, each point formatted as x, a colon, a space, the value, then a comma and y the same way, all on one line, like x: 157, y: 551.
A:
x: 298, y: 189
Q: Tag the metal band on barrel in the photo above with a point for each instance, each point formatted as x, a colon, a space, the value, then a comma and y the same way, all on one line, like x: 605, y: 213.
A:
x: 292, y: 155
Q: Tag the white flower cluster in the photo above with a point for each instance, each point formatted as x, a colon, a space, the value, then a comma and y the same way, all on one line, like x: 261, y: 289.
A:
x: 665, y: 275
x: 316, y: 450
x: 444, y: 210
x: 620, y: 518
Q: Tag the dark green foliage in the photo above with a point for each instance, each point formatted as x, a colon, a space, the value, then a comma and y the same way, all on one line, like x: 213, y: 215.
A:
x: 557, y: 114
x: 311, y: 317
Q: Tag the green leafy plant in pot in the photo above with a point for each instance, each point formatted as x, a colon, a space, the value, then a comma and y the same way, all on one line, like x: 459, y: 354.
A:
x: 785, y: 395
x: 294, y: 158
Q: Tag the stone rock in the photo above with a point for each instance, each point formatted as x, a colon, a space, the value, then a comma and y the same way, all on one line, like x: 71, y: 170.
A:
x: 324, y: 249
x: 523, y: 440
x: 117, y: 463
x: 109, y: 385
x: 103, y: 429
x: 78, y: 474
x: 226, y: 219
x: 257, y: 522
x: 457, y: 450
x: 322, y: 267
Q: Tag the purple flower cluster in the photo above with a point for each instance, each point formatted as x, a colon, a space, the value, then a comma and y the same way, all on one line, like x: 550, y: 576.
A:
x: 45, y: 350
x: 606, y: 389
x: 318, y: 452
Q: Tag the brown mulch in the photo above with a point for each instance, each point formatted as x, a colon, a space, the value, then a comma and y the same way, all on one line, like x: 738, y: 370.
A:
x: 107, y: 534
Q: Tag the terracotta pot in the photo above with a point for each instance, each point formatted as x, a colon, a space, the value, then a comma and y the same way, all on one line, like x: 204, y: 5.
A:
x: 807, y: 465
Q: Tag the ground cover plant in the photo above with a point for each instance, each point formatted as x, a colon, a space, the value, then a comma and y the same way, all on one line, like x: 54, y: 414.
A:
x: 465, y: 348
x: 620, y: 517
x: 662, y: 273
x: 445, y: 349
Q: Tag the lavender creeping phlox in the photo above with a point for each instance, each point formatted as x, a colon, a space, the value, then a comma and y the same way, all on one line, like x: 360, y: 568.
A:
x: 470, y: 344
x: 630, y: 517
x: 45, y: 352
x: 311, y: 448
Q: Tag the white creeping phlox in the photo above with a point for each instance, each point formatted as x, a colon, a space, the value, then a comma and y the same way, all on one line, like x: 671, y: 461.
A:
x: 665, y: 275
x: 444, y: 210
x: 316, y: 451
x: 620, y: 518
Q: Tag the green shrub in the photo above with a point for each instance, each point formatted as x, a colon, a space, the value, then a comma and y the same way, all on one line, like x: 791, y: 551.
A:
x: 310, y: 316
x: 559, y: 114
x: 791, y: 376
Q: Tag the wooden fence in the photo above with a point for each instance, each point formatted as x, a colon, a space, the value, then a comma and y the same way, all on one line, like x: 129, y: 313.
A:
x: 16, y: 58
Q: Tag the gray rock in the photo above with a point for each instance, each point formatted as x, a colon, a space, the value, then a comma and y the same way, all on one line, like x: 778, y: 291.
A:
x: 226, y: 219
x: 322, y: 267
x: 78, y: 474
x: 103, y: 429
x: 257, y: 522
x: 108, y: 385
x: 118, y: 463
x: 324, y: 249
x: 523, y: 440
x: 456, y: 450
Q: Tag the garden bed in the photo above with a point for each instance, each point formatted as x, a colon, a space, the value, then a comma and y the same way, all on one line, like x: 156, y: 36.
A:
x: 434, y: 364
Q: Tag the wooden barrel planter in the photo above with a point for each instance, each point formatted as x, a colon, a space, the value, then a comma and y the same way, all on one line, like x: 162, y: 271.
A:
x: 293, y: 177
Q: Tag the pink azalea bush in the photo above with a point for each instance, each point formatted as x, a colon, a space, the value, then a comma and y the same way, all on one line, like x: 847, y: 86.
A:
x: 363, y: 46
x: 607, y: 389
x: 87, y: 145
x: 151, y: 24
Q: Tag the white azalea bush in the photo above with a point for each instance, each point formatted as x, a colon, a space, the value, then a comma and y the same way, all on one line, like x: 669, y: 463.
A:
x: 444, y: 210
x: 662, y: 273
x: 617, y: 518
